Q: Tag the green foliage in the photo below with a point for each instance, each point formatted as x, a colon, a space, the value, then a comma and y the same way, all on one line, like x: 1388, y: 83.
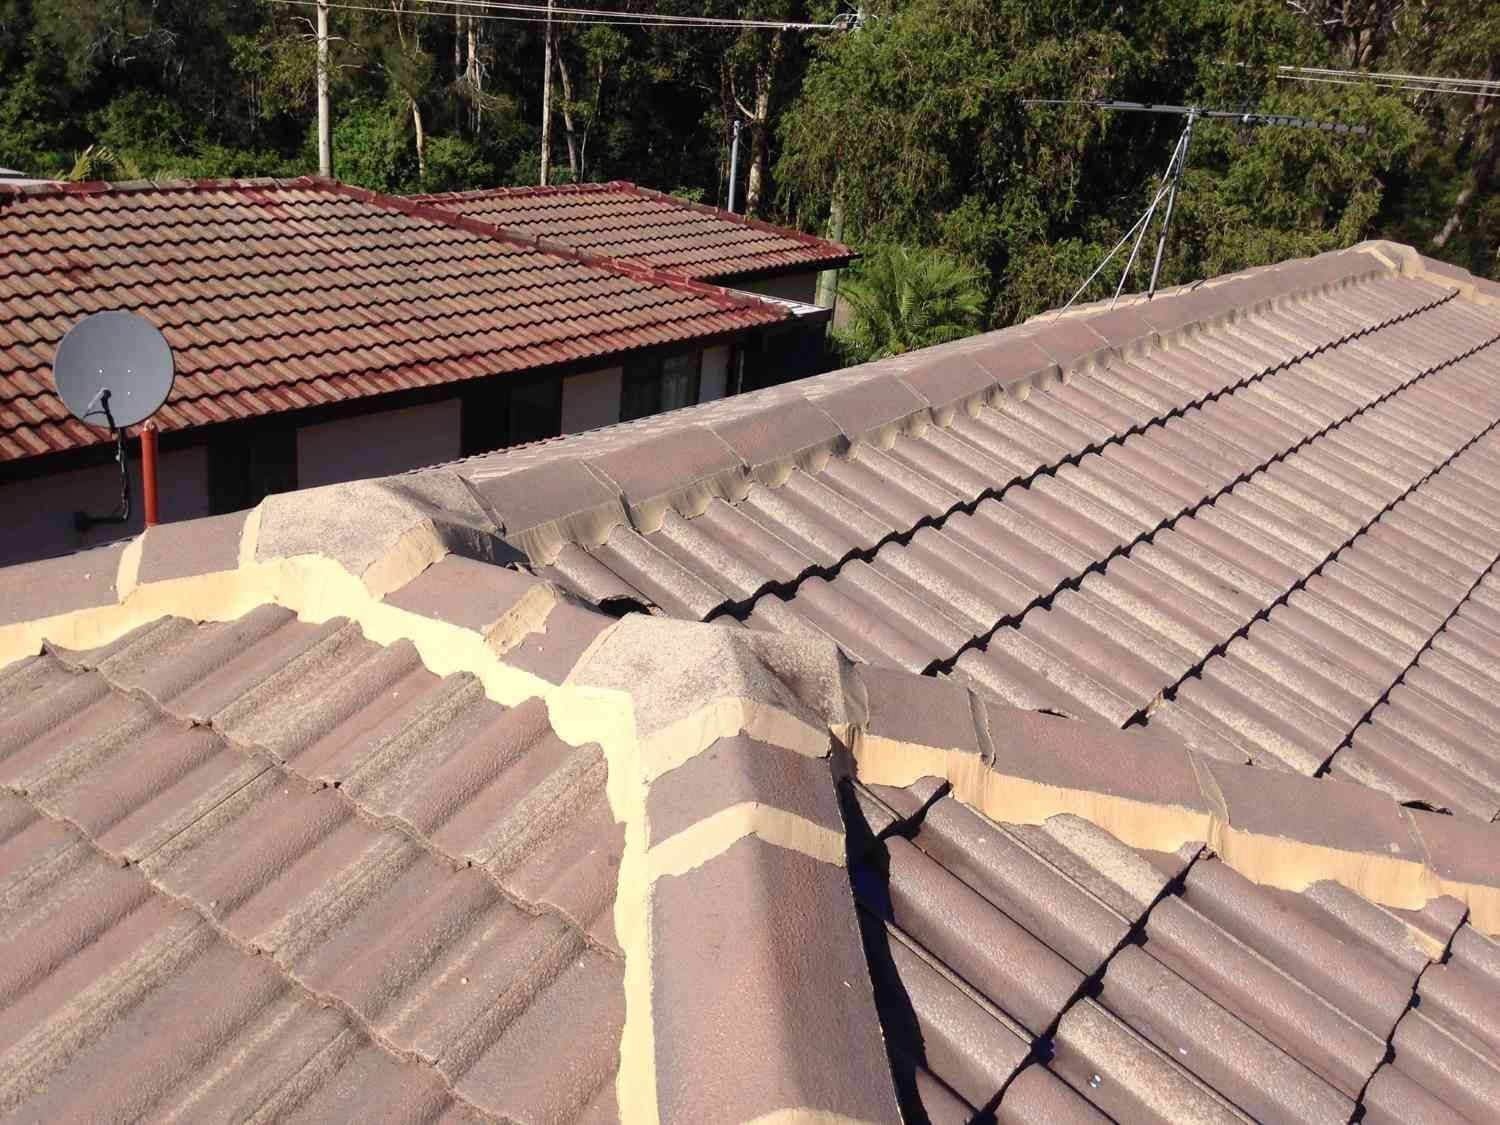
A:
x: 905, y: 299
x: 920, y: 123
x: 372, y: 146
x: 454, y: 164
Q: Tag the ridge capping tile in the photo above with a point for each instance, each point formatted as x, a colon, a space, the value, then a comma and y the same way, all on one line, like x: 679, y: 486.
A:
x: 1464, y: 851
x: 1126, y: 329
x: 679, y: 467
x: 1072, y: 344
x: 1016, y: 362
x: 950, y: 380
x: 544, y: 507
x: 185, y: 548
x: 49, y: 587
x: 908, y: 710
x: 873, y: 408
x: 740, y: 770
x: 1143, y: 790
x: 772, y: 440
x: 732, y: 941
x: 1289, y: 831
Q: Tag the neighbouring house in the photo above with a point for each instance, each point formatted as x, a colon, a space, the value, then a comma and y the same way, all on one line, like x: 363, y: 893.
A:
x: 621, y: 220
x: 1091, y: 721
x: 325, y: 333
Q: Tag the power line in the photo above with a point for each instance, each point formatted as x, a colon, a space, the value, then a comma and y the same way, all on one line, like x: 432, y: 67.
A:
x: 1390, y: 75
x: 1416, y: 83
x: 528, y: 13
x: 615, y: 13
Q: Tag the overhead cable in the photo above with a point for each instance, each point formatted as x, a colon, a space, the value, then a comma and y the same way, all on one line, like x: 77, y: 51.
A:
x: 526, y: 13
x: 1416, y: 83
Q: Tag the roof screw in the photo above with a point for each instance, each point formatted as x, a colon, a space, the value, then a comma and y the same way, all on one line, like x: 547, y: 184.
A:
x: 1095, y: 1082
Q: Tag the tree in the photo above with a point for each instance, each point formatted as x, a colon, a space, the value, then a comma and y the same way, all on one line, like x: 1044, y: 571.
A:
x: 920, y: 118
x: 905, y: 299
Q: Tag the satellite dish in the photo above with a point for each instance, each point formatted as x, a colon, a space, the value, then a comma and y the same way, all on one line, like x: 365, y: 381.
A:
x: 113, y: 369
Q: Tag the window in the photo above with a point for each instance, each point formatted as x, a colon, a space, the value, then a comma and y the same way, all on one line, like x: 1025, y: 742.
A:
x: 660, y: 383
x: 249, y: 464
x: 510, y: 410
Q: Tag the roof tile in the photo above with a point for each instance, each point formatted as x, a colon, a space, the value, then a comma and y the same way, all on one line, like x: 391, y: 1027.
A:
x: 352, y: 331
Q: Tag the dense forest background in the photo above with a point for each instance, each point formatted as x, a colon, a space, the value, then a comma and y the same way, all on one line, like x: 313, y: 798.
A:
x: 907, y: 132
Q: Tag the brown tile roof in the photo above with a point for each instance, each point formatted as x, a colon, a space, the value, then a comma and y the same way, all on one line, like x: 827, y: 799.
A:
x: 485, y: 850
x: 622, y: 220
x: 1038, y: 970
x: 380, y: 867
x: 1255, y: 514
x: 277, y: 295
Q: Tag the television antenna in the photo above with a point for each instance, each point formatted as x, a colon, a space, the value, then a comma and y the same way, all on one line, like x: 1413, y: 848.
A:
x: 114, y: 370
x: 1171, y: 180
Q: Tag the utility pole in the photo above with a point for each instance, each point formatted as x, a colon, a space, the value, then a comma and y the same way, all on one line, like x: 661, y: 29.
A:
x: 734, y: 164
x: 325, y: 124
x: 547, y: 101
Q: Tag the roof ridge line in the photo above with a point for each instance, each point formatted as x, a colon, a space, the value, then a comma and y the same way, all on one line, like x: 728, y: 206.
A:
x: 516, y: 191
x: 938, y: 383
x: 731, y: 216
x: 1151, y: 790
x: 716, y: 294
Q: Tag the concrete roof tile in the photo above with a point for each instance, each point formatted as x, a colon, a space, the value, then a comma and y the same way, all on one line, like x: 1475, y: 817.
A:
x: 742, y: 933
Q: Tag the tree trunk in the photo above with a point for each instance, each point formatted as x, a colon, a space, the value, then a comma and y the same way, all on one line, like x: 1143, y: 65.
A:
x: 828, y: 280
x: 476, y: 75
x: 547, y: 102
x: 1481, y: 164
x: 567, y: 113
x: 325, y: 122
x: 760, y: 128
x: 416, y: 120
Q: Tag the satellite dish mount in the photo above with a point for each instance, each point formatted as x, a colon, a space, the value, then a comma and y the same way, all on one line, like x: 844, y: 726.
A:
x: 114, y: 370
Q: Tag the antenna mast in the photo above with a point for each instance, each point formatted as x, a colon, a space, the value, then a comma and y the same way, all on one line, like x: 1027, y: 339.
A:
x: 1172, y: 179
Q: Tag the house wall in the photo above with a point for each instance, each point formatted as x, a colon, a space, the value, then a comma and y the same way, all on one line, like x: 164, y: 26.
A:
x: 790, y: 287
x: 591, y: 400
x: 36, y: 516
x: 375, y: 445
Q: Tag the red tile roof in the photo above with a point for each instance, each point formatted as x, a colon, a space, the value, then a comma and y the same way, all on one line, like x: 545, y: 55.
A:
x: 626, y: 221
x: 277, y: 295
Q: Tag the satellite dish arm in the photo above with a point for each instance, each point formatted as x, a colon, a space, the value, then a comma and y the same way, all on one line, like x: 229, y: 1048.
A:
x: 82, y: 520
